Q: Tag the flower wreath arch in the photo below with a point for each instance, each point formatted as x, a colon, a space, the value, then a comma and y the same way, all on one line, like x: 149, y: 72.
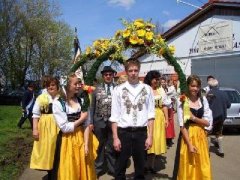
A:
x: 138, y: 35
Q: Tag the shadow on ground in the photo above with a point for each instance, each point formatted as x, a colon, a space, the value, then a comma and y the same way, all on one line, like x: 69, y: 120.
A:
x: 228, y: 131
x: 160, y: 164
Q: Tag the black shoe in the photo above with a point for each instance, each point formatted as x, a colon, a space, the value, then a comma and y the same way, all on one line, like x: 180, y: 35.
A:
x: 169, y: 143
x: 19, y: 126
x: 216, y: 144
x: 110, y: 173
x: 152, y: 171
x: 100, y: 174
x: 220, y: 154
x: 146, y: 170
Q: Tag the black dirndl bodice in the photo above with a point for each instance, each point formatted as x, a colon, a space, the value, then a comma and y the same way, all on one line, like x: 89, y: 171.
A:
x: 73, y: 117
x: 47, y: 110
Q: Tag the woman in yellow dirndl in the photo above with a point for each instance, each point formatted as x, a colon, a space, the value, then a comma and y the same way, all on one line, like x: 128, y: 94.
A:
x: 78, y: 146
x: 192, y: 159
x: 45, y: 130
x: 161, y: 119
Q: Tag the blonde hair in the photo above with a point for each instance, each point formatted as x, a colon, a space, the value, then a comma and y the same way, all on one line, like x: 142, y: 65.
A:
x: 132, y: 62
x: 64, y: 89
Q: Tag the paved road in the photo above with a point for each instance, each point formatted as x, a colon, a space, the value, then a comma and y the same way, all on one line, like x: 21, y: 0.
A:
x: 222, y: 168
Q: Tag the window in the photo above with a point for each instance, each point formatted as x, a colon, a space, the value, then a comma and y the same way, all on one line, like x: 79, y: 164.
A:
x: 233, y: 96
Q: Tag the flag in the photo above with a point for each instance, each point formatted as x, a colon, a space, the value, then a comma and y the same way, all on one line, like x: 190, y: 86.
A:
x: 77, y: 53
x: 77, y: 48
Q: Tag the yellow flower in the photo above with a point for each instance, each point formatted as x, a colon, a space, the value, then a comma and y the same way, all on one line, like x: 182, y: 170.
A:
x: 160, y: 39
x: 138, y: 24
x: 133, y: 39
x: 141, y: 32
x: 96, y: 43
x: 97, y: 53
x: 140, y: 41
x: 149, y: 36
x: 88, y: 50
x: 150, y: 25
x: 105, y: 44
x: 172, y: 49
x: 43, y: 102
x: 139, y: 20
x: 126, y: 33
x: 118, y: 33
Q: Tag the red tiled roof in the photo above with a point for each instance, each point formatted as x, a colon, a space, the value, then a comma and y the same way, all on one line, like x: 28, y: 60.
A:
x: 120, y: 73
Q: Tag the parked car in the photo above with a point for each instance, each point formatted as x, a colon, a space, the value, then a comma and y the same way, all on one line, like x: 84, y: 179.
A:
x: 233, y: 113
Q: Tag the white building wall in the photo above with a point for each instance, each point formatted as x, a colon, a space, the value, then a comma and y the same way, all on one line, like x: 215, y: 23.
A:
x: 187, y: 47
x: 189, y: 39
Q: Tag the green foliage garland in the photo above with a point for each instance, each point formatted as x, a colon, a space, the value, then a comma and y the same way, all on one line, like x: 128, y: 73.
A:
x: 137, y: 35
x: 92, y: 72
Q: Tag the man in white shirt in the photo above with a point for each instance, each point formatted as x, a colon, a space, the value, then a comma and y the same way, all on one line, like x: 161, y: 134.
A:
x: 132, y: 113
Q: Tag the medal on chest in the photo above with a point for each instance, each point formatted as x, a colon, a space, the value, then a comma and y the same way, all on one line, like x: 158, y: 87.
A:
x: 104, y: 102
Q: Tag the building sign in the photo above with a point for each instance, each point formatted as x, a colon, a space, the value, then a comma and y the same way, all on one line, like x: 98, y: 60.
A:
x: 215, y: 37
x: 235, y: 45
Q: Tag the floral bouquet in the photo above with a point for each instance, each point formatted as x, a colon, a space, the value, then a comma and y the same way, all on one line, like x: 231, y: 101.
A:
x: 137, y: 34
x: 186, y: 108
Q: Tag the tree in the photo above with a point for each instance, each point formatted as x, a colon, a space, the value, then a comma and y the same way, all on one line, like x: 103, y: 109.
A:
x: 9, y: 24
x: 33, y: 41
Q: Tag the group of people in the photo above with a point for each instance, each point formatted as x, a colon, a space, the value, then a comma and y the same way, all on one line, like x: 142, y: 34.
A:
x: 77, y: 137
x: 123, y: 120
x: 63, y: 143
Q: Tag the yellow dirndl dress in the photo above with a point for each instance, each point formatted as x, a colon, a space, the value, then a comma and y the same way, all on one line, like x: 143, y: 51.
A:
x: 195, y: 166
x: 42, y: 156
x: 74, y: 165
x: 159, y: 132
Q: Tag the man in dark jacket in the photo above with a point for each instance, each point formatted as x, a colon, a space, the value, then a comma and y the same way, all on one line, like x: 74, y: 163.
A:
x: 218, y: 103
x: 100, y: 112
x: 27, y: 105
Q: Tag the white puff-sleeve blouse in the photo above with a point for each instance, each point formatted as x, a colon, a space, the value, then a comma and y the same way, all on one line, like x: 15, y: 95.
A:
x: 207, y: 115
x: 61, y: 116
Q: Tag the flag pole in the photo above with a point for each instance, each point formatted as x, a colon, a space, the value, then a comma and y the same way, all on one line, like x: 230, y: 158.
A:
x: 77, y: 53
x: 77, y: 48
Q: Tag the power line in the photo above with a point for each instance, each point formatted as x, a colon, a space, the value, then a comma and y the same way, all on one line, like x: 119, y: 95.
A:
x: 189, y: 4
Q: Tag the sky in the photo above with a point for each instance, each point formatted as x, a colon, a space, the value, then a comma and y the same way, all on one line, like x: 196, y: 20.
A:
x: 95, y: 19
